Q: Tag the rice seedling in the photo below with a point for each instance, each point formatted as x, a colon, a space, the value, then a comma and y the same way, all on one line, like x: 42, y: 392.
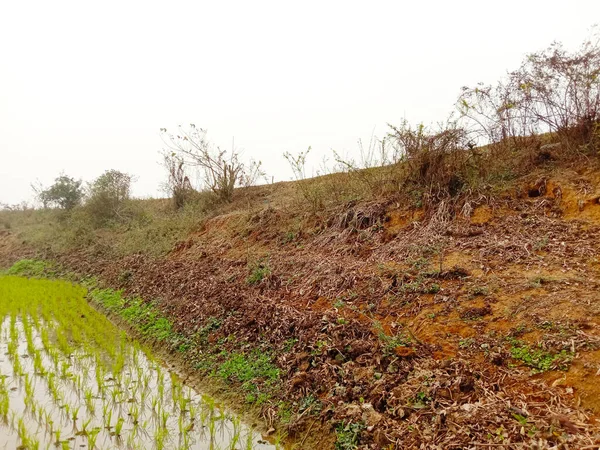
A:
x: 108, y: 419
x: 28, y: 389
x: 279, y: 440
x: 92, y: 437
x: 134, y: 413
x: 75, y: 413
x: 119, y: 426
x: 84, y: 427
x: 89, y: 401
x: 164, y: 417
x: 160, y: 437
x: 4, y: 401
x: 57, y: 434
x: 249, y: 442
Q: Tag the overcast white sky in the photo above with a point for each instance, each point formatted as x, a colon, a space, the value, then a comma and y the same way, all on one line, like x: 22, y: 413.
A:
x: 85, y: 86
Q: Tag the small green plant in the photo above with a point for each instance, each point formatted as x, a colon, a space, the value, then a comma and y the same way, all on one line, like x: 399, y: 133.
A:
x: 311, y: 403
x: 288, y: 237
x: 319, y: 347
x: 421, y: 400
x: 465, y: 343
x: 539, y: 359
x: 479, y: 291
x: 541, y: 244
x: 390, y: 342
x: 339, y: 303
x: 538, y: 282
x: 413, y: 287
x: 419, y: 263
x: 258, y: 272
x: 244, y: 368
x: 521, y: 419
x: 348, y: 435
x: 433, y: 288
x: 212, y: 324
x: 289, y: 344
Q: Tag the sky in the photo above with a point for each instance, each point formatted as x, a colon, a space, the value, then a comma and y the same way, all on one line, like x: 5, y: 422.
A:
x: 86, y: 86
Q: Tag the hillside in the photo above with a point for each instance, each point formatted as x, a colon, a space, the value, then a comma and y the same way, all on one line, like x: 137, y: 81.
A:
x: 440, y: 293
x: 389, y: 323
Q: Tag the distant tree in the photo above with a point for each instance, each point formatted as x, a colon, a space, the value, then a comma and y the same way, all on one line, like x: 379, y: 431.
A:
x: 222, y: 170
x: 65, y: 193
x: 108, y: 194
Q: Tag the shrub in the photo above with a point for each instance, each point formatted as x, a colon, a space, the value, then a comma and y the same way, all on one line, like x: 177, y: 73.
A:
x: 436, y: 162
x: 312, y: 191
x: 178, y: 184
x: 552, y: 91
x: 65, y: 193
x: 108, y: 196
x: 222, y: 170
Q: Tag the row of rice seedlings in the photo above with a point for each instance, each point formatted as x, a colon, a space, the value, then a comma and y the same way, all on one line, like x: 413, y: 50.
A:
x: 4, y: 399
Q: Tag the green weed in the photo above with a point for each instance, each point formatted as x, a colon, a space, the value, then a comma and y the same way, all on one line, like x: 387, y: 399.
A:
x: 33, y: 268
x: 244, y: 368
x: 258, y: 272
x: 539, y: 359
x: 348, y: 435
x: 390, y: 342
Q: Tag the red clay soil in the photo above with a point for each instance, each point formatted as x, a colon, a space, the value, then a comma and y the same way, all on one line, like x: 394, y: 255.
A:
x: 405, y: 321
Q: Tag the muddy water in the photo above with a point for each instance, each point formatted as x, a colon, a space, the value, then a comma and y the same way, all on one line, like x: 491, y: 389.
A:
x: 71, y: 401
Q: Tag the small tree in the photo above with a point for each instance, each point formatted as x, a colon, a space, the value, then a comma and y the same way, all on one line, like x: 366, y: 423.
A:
x: 108, y: 194
x: 65, y: 193
x: 222, y: 170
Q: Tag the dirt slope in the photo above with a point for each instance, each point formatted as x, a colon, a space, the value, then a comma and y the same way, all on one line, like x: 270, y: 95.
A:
x: 436, y: 329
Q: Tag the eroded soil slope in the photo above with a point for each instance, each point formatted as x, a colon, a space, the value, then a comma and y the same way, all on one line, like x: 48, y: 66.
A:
x: 414, y: 329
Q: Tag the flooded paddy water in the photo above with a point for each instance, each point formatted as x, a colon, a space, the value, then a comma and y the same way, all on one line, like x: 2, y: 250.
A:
x: 70, y: 379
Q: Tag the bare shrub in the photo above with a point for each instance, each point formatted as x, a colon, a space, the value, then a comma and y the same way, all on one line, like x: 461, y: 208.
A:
x: 374, y: 171
x: 492, y: 114
x: 222, y: 171
x: 178, y: 184
x: 311, y: 189
x: 435, y: 161
x: 553, y: 90
x: 561, y: 90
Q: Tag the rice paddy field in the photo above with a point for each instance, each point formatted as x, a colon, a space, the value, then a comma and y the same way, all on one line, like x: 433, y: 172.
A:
x: 70, y: 379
